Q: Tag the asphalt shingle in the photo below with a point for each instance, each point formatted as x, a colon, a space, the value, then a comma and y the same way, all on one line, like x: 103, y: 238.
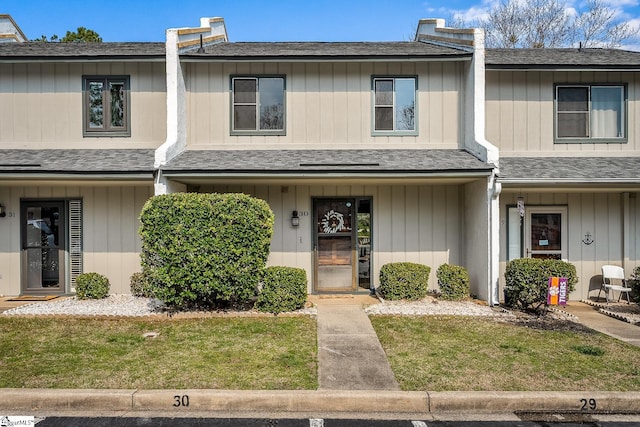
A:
x: 57, y: 51
x: 321, y: 161
x: 561, y: 58
x: 570, y: 169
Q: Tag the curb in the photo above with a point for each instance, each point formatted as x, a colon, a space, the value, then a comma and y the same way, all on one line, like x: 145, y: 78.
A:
x: 318, y: 401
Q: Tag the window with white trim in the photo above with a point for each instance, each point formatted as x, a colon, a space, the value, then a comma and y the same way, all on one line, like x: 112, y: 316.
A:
x: 591, y: 113
x: 394, y: 105
x: 258, y: 105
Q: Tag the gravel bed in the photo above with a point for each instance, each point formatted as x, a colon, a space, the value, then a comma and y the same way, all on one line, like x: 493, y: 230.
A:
x: 432, y: 306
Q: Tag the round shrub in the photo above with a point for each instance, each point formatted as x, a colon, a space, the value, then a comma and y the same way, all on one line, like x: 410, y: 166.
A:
x: 283, y: 289
x: 404, y: 280
x: 453, y: 281
x: 527, y: 281
x: 92, y: 286
x: 140, y: 286
x: 205, y: 250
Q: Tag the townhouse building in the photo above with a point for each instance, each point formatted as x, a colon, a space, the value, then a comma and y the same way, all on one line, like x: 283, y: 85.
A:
x: 433, y: 151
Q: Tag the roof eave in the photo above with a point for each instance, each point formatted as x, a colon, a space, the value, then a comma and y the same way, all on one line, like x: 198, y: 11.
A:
x: 319, y: 58
x: 560, y: 67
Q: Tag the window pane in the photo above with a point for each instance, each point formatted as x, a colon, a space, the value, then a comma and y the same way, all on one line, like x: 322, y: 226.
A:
x: 606, y: 112
x: 546, y: 232
x: 573, y: 125
x: 116, y: 90
x: 272, y: 103
x: 405, y: 104
x: 244, y: 117
x: 96, y: 113
x: 244, y: 91
x: 384, y: 118
x: 573, y: 99
x: 384, y: 92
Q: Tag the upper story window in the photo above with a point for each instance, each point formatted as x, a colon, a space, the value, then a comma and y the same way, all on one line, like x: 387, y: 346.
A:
x: 394, y: 105
x: 258, y: 105
x: 106, y: 106
x: 591, y: 113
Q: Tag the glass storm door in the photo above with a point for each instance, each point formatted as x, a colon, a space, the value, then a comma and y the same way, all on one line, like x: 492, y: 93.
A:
x: 546, y: 233
x: 43, y: 243
x: 335, y: 248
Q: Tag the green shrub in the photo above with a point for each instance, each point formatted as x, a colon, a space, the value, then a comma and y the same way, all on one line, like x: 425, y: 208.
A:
x: 404, y: 280
x: 527, y: 281
x: 92, y: 286
x: 283, y: 289
x: 140, y: 286
x: 634, y: 283
x: 453, y: 281
x: 203, y: 250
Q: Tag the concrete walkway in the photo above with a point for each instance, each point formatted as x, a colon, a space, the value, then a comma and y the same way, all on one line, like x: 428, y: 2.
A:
x: 590, y: 317
x: 350, y: 356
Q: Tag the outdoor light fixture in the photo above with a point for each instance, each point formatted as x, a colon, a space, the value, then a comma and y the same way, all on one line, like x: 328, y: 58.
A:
x: 295, y: 219
x: 3, y: 213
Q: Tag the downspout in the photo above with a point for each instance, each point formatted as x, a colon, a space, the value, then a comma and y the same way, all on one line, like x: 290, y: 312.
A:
x: 493, y: 281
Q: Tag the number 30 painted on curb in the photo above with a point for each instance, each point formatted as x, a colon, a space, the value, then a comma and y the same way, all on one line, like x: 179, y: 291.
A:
x: 181, y: 400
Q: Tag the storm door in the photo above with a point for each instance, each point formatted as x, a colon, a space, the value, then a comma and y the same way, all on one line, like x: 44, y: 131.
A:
x: 335, y: 244
x: 43, y: 247
x: 546, y: 232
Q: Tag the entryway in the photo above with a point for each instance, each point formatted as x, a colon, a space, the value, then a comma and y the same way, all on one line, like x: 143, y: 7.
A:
x: 546, y: 232
x: 342, y: 244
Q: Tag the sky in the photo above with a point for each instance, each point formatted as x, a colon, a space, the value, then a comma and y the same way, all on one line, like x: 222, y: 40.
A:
x: 254, y: 20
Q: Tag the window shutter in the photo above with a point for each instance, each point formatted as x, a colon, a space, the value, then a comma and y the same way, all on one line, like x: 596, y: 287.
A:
x: 75, y: 240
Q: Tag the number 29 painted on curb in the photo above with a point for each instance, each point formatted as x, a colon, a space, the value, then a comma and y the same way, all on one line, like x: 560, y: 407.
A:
x: 179, y: 401
x: 588, y: 405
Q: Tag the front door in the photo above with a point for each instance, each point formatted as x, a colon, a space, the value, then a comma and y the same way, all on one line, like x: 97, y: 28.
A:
x: 546, y: 232
x: 43, y: 247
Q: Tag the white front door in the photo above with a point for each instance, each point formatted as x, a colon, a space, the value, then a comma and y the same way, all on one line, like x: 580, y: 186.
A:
x: 546, y: 232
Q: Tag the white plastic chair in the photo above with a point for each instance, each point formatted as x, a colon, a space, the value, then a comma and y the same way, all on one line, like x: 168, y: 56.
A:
x: 613, y: 280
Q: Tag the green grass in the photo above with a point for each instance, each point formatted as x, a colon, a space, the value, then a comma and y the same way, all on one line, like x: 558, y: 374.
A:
x: 217, y: 353
x: 464, y: 353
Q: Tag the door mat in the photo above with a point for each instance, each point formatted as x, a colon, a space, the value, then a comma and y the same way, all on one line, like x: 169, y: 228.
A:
x: 33, y: 298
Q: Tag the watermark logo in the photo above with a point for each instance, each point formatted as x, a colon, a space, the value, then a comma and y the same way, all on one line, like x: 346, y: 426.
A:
x: 22, y: 421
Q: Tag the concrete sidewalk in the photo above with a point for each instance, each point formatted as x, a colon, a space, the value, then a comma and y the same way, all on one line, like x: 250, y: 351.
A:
x: 590, y: 317
x: 350, y: 356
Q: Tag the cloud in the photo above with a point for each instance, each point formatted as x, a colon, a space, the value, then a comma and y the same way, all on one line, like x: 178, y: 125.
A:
x: 473, y: 14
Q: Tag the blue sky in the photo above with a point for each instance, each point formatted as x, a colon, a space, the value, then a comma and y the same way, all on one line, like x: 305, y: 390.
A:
x: 252, y: 20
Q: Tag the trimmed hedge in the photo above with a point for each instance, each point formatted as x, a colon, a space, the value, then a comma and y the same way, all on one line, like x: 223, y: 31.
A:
x: 205, y: 250
x: 92, y: 286
x: 404, y: 280
x: 527, y: 281
x: 283, y: 289
x: 635, y: 284
x: 453, y: 281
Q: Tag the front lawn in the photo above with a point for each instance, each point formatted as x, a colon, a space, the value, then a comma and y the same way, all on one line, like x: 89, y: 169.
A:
x: 216, y: 353
x: 447, y: 353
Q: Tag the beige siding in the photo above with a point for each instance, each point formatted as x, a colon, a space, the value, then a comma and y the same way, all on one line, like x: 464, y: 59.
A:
x: 41, y: 105
x: 419, y: 224
x: 599, y: 214
x: 110, y: 227
x: 520, y: 112
x: 328, y: 105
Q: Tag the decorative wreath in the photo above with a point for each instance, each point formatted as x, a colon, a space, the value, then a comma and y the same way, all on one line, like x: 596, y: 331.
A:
x: 332, y: 222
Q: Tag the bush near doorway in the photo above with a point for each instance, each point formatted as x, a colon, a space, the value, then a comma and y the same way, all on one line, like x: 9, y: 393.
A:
x: 404, y: 280
x: 205, y: 250
x: 527, y: 281
x: 283, y: 289
x: 453, y: 281
x: 92, y: 286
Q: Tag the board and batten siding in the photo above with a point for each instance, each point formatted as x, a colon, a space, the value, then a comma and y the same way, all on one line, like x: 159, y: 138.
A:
x: 600, y: 214
x: 520, y: 112
x: 421, y: 224
x: 111, y: 245
x: 41, y: 105
x: 328, y: 105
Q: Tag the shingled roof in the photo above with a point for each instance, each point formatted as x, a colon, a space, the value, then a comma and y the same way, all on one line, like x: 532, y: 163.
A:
x: 80, y: 51
x: 326, y: 161
x: 316, y: 50
x: 561, y: 59
x: 570, y: 170
x: 73, y: 162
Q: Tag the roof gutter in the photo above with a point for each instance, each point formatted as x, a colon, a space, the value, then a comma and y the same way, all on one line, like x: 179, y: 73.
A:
x: 146, y: 176
x: 325, y: 174
x: 225, y: 59
x: 538, y: 67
